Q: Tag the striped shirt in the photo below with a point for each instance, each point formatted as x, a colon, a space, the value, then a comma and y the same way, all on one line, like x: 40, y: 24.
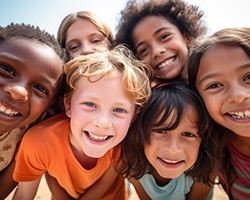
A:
x: 241, y: 187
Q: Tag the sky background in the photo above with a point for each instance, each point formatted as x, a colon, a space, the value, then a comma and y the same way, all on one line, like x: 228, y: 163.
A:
x: 48, y: 14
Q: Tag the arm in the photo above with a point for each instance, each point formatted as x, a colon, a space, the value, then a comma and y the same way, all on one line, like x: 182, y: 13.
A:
x: 96, y: 191
x: 139, y: 189
x: 199, y: 191
x: 56, y: 190
x: 6, y: 181
x: 26, y: 190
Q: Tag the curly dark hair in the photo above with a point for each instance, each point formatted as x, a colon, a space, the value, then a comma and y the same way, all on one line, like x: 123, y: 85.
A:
x: 30, y: 32
x: 174, y: 96
x: 187, y: 18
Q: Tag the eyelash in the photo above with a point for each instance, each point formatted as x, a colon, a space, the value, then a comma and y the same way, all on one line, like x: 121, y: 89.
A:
x: 8, y: 69
x: 12, y: 72
x: 118, y: 110
x: 161, y: 131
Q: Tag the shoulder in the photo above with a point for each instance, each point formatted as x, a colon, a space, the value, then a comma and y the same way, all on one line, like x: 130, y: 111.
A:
x: 47, y: 130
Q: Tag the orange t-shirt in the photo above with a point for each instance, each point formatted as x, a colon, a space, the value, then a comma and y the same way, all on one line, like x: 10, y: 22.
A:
x: 46, y: 147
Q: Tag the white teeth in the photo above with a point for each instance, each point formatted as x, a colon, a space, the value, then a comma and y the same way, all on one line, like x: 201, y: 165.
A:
x: 171, y: 161
x: 7, y: 111
x: 240, y: 115
x: 97, y: 138
x: 166, y: 63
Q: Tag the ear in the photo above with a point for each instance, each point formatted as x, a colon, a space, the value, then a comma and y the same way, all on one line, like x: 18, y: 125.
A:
x: 66, y: 101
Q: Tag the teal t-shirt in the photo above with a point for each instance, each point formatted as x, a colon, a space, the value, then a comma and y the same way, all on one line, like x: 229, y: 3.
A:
x: 177, y: 188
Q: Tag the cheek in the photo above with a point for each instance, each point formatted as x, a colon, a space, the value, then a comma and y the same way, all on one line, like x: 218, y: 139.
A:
x: 149, y: 151
x: 194, y: 151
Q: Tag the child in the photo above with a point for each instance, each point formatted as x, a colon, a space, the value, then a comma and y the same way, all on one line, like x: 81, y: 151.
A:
x: 31, y: 70
x: 168, y: 146
x: 83, y: 33
x: 104, y: 92
x: 219, y: 70
x: 160, y: 32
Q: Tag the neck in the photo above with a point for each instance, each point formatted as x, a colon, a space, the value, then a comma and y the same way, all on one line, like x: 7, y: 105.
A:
x: 160, y: 180
x: 240, y: 143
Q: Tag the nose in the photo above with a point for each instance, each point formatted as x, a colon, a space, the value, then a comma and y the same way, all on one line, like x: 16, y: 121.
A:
x: 102, y: 121
x: 158, y: 51
x: 238, y: 93
x: 17, y: 92
x: 172, y: 144
x: 87, y: 49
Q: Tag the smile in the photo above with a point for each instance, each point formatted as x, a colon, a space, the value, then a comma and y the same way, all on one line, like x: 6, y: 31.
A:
x: 171, y: 161
x: 97, y: 138
x: 7, y: 111
x: 240, y: 115
x: 166, y: 63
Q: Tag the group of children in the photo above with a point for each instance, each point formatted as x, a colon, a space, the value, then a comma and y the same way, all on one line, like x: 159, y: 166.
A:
x: 160, y: 104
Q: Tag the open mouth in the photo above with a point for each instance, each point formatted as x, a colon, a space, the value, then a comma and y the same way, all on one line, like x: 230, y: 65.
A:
x: 166, y: 64
x: 240, y: 115
x: 97, y: 138
x: 173, y: 162
x: 8, y: 112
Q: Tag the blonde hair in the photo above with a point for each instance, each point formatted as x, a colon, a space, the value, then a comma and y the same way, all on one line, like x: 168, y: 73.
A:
x: 111, y: 63
x: 98, y: 22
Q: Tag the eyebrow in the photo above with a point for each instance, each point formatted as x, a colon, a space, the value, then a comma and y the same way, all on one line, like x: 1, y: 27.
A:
x: 45, y: 79
x: 93, y: 34
x: 245, y: 66
x: 11, y: 57
x: 156, y: 32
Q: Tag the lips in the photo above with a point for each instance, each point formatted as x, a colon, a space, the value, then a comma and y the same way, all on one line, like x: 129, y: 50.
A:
x: 165, y: 64
x: 8, y: 111
x: 97, y: 138
x: 240, y: 115
x: 172, y: 161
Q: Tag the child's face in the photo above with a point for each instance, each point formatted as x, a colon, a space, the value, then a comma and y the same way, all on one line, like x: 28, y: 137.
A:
x: 83, y: 37
x: 160, y: 44
x: 173, y: 152
x: 29, y: 72
x: 100, y: 115
x: 223, y: 81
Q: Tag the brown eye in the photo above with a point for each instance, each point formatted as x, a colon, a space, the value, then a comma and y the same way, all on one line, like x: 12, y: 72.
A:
x: 8, y: 69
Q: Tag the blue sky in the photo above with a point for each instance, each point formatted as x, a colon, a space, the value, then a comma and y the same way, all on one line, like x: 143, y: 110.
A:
x: 47, y: 14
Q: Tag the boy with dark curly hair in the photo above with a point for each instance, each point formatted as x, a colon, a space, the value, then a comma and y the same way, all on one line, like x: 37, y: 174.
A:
x: 31, y: 69
x: 160, y: 33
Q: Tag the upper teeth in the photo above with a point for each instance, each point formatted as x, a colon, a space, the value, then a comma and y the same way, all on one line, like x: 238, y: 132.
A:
x: 7, y: 111
x: 170, y: 161
x: 244, y: 114
x: 166, y: 63
x: 98, y: 138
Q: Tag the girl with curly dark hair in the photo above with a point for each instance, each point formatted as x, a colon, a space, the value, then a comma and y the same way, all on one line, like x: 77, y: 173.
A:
x: 160, y: 33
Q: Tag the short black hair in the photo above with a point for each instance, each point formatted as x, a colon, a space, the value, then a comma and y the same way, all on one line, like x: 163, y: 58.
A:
x: 28, y: 31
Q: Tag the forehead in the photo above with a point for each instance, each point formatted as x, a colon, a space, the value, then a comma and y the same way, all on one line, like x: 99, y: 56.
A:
x: 153, y: 23
x: 189, y: 112
x: 221, y: 57
x: 31, y: 53
x: 82, y: 26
